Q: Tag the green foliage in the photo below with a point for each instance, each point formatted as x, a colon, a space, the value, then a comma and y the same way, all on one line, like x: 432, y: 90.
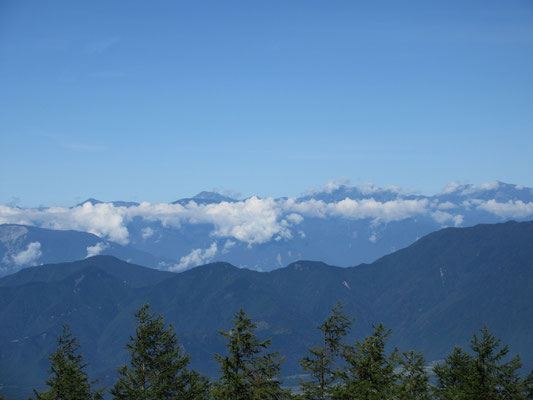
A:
x: 68, y: 380
x: 482, y: 375
x: 369, y: 372
x: 158, y: 367
x: 247, y: 372
x: 413, y: 378
x: 528, y: 386
x: 320, y: 362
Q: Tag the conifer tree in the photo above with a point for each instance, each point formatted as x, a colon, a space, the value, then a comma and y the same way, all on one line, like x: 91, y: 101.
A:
x: 68, y: 380
x: 455, y: 376
x: 369, y: 373
x: 320, y: 362
x: 482, y: 375
x: 247, y: 372
x: 528, y: 386
x: 158, y: 367
x: 413, y: 378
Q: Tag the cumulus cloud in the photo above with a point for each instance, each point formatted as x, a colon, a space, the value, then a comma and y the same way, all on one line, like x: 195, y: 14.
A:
x: 330, y: 186
x: 447, y: 205
x: 252, y: 221
x: 394, y: 210
x: 29, y: 256
x: 468, y: 189
x: 443, y: 218
x: 333, y: 185
x: 450, y: 187
x: 195, y: 258
x: 103, y: 220
x: 510, y: 209
x: 147, y: 232
x: 228, y: 245
x: 96, y: 249
x: 458, y: 220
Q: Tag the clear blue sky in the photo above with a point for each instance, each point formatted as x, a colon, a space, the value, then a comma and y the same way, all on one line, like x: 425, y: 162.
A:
x: 158, y: 100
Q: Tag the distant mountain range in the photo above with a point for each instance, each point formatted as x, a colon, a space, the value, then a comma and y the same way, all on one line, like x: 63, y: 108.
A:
x: 434, y: 294
x: 23, y: 245
x: 339, y: 224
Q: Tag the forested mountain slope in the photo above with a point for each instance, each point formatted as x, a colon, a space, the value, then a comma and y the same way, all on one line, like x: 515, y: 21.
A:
x: 433, y: 294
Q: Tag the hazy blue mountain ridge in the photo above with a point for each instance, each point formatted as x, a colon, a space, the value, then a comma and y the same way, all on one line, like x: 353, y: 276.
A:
x: 23, y: 245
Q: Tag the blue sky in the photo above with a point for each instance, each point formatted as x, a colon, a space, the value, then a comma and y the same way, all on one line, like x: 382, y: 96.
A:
x: 159, y: 100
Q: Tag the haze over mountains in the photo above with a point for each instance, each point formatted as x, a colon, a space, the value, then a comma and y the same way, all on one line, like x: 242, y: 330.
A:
x: 434, y: 294
x: 338, y: 224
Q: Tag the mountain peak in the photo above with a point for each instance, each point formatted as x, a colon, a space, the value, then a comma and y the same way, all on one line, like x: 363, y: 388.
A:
x: 206, y: 198
x: 89, y: 200
x: 114, y: 203
x: 306, y: 265
x: 212, y: 196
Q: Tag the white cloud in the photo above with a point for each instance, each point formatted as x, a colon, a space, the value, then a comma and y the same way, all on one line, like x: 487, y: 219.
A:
x: 458, y: 220
x: 196, y: 257
x: 228, y: 245
x: 103, y: 220
x: 309, y: 208
x: 252, y: 221
x: 96, y: 249
x: 447, y: 205
x: 373, y: 238
x: 294, y: 218
x: 470, y: 189
x: 394, y: 210
x: 451, y: 187
x: 147, y: 232
x: 443, y: 217
x: 29, y: 256
x: 511, y: 209
x: 333, y: 185
x: 329, y: 187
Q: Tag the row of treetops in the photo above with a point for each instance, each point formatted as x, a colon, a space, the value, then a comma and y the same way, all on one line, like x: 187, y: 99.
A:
x: 158, y: 368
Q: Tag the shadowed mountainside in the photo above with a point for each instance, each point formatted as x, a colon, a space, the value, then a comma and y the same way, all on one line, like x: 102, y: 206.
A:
x: 433, y: 294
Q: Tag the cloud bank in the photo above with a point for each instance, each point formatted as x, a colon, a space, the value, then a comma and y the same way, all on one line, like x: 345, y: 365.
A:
x: 255, y: 221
